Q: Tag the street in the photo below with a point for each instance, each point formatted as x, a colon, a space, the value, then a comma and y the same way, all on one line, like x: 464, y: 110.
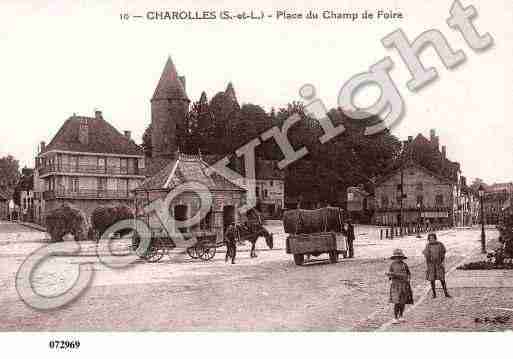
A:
x: 265, y: 293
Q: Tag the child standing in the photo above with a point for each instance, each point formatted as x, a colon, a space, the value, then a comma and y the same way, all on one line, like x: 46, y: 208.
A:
x: 400, y: 289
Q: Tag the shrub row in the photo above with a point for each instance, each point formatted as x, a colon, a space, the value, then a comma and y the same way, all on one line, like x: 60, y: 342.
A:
x: 68, y: 219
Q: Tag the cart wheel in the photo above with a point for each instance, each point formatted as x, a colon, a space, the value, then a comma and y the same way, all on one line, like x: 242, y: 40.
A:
x: 299, y: 259
x: 208, y: 253
x: 155, y: 252
x: 192, y: 252
x: 333, y: 257
x: 200, y: 250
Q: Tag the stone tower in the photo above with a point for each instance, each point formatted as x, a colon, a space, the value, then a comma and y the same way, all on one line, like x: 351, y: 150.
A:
x: 169, y: 107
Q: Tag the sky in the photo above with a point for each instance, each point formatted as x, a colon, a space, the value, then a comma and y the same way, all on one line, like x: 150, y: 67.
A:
x: 64, y: 57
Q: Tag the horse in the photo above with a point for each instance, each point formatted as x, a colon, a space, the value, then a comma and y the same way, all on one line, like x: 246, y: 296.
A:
x: 251, y: 233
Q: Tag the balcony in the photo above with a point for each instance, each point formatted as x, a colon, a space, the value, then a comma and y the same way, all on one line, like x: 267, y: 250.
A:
x: 88, y: 169
x: 85, y: 194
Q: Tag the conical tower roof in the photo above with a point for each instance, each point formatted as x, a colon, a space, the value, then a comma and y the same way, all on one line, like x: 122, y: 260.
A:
x: 170, y: 86
x: 230, y: 93
x: 203, y: 98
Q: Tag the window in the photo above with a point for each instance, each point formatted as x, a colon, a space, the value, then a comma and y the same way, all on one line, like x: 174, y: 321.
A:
x: 102, y: 184
x: 384, y: 201
x: 271, y: 183
x: 73, y: 163
x: 265, y: 193
x: 439, y: 200
x: 420, y: 200
x: 399, y: 187
x: 258, y: 191
x: 419, y: 186
x: 74, y: 184
x: 101, y: 163
x: 124, y: 165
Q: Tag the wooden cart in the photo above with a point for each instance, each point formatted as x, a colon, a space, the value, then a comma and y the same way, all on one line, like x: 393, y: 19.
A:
x: 315, y: 244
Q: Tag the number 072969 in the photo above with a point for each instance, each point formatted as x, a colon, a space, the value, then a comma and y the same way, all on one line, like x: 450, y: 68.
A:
x: 64, y: 344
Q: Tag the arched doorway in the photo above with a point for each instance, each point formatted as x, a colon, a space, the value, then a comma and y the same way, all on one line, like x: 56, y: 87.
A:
x: 228, y: 216
x: 180, y: 214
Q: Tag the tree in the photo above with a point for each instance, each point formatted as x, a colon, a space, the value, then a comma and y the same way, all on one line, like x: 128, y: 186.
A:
x: 476, y: 183
x: 9, y: 173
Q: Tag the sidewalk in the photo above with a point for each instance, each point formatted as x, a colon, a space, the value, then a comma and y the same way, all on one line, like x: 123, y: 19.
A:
x: 478, y: 296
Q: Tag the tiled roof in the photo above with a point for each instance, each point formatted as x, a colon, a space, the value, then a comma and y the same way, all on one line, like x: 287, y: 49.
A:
x: 185, y: 169
x: 102, y: 138
x: 410, y: 165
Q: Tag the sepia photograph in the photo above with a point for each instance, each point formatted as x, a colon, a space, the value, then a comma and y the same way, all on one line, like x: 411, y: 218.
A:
x: 256, y: 175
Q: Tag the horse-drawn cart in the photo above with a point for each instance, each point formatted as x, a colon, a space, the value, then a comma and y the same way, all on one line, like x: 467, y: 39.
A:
x: 316, y: 244
x: 161, y: 244
x: 315, y: 232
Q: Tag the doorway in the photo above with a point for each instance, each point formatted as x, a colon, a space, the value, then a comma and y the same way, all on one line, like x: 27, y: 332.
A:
x: 228, y: 216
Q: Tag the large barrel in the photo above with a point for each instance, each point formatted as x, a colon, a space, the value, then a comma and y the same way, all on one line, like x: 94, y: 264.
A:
x: 303, y: 221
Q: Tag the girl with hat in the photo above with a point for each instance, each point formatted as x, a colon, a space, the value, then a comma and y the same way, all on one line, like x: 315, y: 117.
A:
x: 400, y: 289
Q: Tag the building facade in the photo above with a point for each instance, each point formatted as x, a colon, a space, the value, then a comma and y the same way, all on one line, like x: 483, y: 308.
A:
x: 270, y: 188
x: 227, y: 198
x: 495, y: 198
x: 87, y: 164
x: 4, y: 205
x: 359, y: 204
x: 426, y: 197
x: 468, y: 206
x: 24, y: 191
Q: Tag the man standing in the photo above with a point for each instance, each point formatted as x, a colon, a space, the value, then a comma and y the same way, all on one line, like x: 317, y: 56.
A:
x: 350, y: 238
x: 435, y: 257
x: 231, y: 243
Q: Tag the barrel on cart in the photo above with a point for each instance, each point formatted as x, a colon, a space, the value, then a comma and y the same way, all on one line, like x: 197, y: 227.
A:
x: 315, y: 232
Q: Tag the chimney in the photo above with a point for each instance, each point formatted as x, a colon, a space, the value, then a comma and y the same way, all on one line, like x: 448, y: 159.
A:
x: 444, y: 153
x: 42, y: 146
x: 434, y: 139
x: 98, y: 114
x: 128, y: 135
x: 83, y: 131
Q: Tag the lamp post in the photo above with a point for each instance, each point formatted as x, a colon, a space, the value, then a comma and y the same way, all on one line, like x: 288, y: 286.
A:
x: 483, y: 238
x: 418, y: 220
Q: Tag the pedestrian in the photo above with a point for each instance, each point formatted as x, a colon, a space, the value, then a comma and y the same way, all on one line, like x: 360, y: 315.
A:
x: 230, y: 239
x: 350, y: 238
x: 400, y: 289
x: 435, y: 257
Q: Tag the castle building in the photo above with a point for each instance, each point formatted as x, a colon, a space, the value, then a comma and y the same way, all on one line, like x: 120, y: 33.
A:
x: 169, y: 107
x: 168, y: 168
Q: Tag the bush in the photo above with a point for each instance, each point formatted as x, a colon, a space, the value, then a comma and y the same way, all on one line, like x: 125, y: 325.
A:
x: 104, y: 217
x: 67, y: 219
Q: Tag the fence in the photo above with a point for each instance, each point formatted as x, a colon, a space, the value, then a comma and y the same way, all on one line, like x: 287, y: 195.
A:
x: 410, y: 229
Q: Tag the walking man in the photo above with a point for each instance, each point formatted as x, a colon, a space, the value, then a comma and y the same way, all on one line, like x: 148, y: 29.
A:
x: 435, y: 256
x: 350, y: 238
